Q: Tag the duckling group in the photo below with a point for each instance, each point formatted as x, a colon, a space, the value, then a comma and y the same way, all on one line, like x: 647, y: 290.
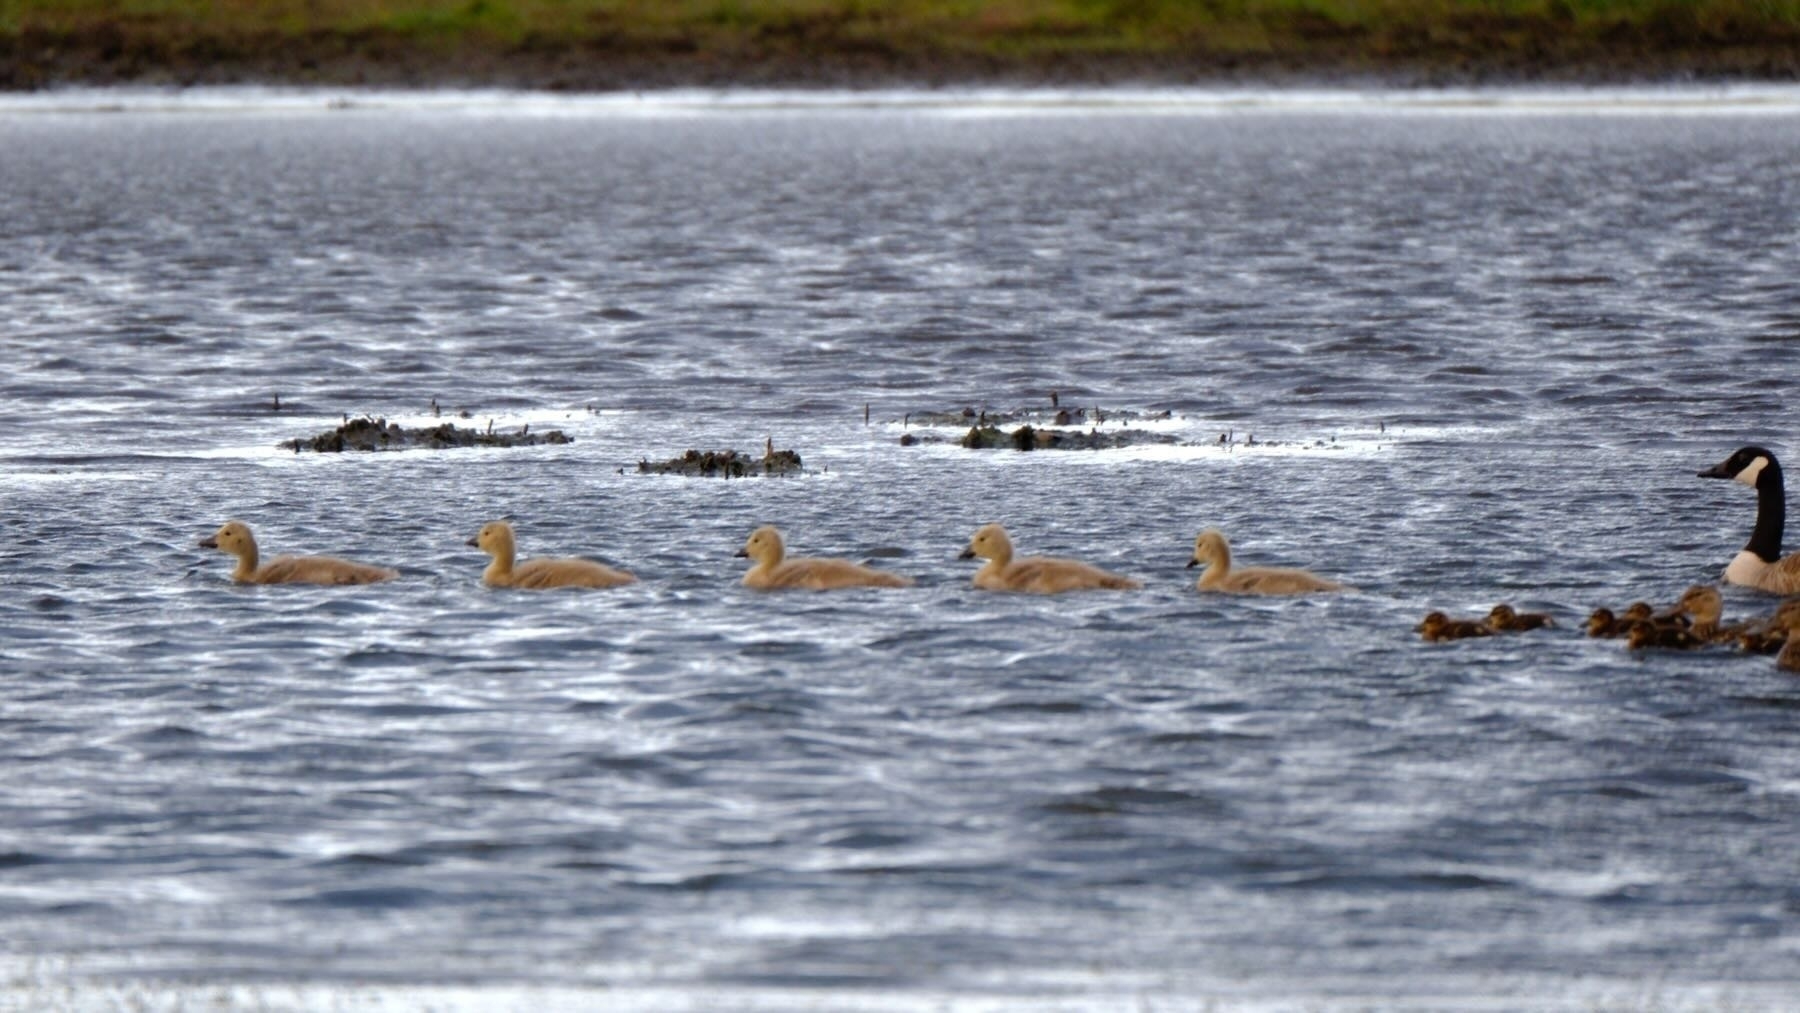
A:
x: 1694, y: 621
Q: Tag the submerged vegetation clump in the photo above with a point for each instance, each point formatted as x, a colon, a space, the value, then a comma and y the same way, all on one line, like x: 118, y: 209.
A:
x: 366, y: 433
x: 618, y: 44
x: 725, y: 464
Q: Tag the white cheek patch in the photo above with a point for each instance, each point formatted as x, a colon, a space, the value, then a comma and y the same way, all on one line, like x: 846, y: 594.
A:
x: 1751, y: 470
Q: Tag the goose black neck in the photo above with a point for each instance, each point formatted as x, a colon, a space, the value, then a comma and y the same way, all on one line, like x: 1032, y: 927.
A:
x: 1771, y: 513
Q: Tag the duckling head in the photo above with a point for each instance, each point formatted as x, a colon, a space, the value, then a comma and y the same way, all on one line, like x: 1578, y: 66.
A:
x: 1432, y: 623
x: 1702, y: 601
x: 1637, y: 610
x: 1502, y: 615
x: 233, y: 537
x: 495, y: 538
x: 764, y: 546
x: 1210, y: 549
x: 1600, y: 622
x: 989, y: 542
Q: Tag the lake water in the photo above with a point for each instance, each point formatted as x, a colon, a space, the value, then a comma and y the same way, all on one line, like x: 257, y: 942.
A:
x: 1482, y: 342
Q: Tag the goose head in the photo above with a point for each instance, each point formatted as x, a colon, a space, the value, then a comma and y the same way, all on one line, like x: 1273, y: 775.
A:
x: 1747, y: 465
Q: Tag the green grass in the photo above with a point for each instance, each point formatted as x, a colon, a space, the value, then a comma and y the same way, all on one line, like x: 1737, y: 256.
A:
x: 1344, y: 33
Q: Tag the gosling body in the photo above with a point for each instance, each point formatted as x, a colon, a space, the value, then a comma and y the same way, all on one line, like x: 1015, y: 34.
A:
x: 1213, y: 552
x: 236, y: 538
x: 771, y: 570
x: 1035, y: 574
x: 1760, y: 564
x: 496, y: 538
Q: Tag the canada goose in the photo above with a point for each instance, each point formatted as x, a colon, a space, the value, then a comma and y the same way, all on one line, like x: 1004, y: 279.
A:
x: 1034, y: 574
x: 496, y: 539
x: 1211, y: 550
x: 772, y: 572
x: 1760, y: 564
x: 1504, y: 619
x: 1645, y: 633
x: 235, y: 537
x: 1438, y: 628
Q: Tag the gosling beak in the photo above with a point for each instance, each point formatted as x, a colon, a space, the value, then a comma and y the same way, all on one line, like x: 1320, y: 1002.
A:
x: 476, y: 542
x: 1193, y: 562
x: 209, y: 542
x: 968, y: 553
x: 742, y: 554
x: 1716, y: 471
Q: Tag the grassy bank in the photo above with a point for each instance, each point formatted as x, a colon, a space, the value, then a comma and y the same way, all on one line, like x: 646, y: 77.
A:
x: 603, y: 44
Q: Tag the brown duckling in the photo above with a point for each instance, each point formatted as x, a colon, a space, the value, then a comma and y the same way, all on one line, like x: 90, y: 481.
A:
x: 1645, y: 633
x: 1703, y: 604
x: 1505, y: 619
x: 1789, y: 658
x: 1438, y: 628
x: 1601, y: 623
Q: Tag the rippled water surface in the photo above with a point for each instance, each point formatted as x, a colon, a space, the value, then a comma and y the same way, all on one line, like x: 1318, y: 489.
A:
x: 1481, y: 349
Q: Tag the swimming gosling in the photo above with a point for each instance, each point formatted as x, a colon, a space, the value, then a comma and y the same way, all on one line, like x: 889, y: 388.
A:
x: 1035, y: 574
x: 772, y: 571
x: 235, y: 537
x: 1212, y: 551
x: 496, y: 539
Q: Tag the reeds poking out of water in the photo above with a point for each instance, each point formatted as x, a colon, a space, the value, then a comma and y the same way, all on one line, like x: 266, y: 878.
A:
x: 625, y: 43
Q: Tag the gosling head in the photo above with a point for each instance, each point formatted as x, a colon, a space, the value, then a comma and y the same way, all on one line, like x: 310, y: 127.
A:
x: 1209, y: 548
x: 494, y: 538
x: 764, y: 546
x: 989, y: 542
x: 233, y: 537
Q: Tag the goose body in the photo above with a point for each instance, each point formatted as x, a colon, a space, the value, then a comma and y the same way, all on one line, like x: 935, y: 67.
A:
x: 1760, y: 564
x: 235, y: 537
x: 1035, y: 574
x: 1212, y: 551
x: 772, y: 570
x: 496, y: 539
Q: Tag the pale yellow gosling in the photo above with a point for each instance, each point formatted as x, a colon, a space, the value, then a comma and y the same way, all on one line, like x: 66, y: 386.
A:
x: 772, y: 571
x: 235, y: 537
x: 1211, y: 551
x: 1035, y: 574
x: 496, y: 539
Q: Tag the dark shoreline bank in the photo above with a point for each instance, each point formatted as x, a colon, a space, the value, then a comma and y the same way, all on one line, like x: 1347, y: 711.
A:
x: 108, y: 56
